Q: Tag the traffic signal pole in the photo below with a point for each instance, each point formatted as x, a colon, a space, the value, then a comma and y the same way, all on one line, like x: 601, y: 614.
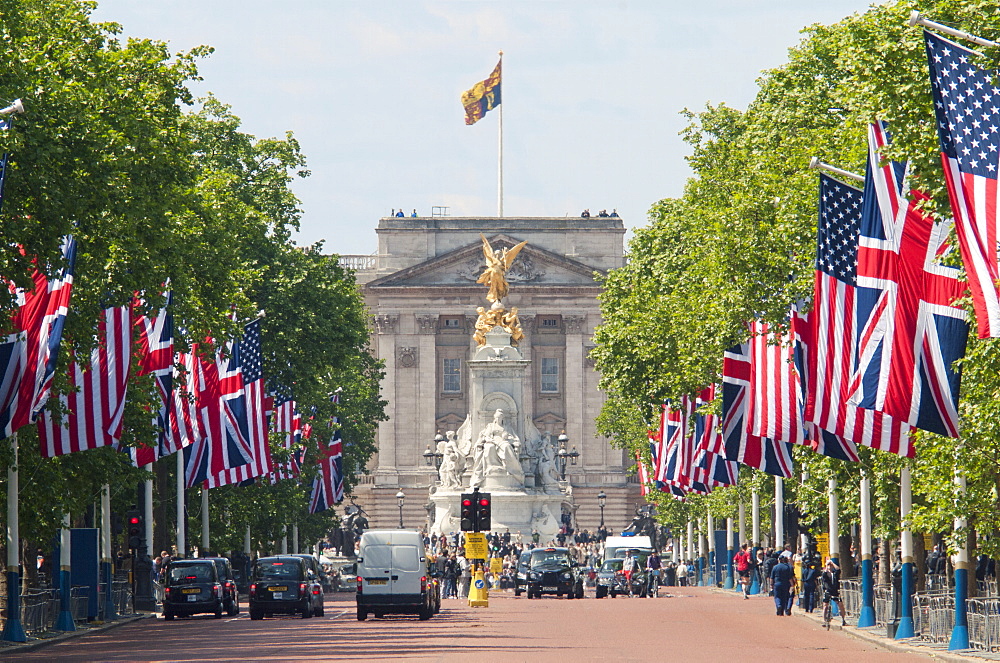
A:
x: 476, y: 516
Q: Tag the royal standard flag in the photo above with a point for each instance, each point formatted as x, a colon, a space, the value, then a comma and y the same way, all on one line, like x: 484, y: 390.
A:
x: 481, y: 97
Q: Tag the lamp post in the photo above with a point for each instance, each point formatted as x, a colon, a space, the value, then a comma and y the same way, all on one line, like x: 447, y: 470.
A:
x: 563, y: 455
x: 602, y: 499
x: 431, y: 455
x: 400, y: 498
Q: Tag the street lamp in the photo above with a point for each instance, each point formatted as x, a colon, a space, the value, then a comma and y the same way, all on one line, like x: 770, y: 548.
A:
x: 400, y: 497
x: 602, y: 499
x: 563, y: 455
x: 431, y: 455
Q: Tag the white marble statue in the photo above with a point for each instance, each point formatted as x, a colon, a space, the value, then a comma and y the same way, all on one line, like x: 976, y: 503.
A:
x: 452, y: 462
x: 548, y: 469
x: 497, y: 451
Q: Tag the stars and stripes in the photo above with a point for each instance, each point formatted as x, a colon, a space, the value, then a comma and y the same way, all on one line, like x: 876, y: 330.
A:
x: 910, y: 334
x: 28, y: 355
x: 773, y: 409
x: 91, y: 412
x: 967, y: 109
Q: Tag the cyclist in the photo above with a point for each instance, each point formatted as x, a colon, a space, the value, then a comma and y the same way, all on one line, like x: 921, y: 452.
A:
x: 653, y: 565
x: 831, y: 592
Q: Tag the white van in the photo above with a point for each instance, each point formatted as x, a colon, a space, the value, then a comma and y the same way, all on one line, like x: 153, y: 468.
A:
x: 615, y: 546
x: 392, y: 574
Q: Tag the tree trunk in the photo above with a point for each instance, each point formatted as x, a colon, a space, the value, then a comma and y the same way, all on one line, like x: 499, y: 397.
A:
x: 847, y: 569
x: 884, y: 561
x: 920, y: 561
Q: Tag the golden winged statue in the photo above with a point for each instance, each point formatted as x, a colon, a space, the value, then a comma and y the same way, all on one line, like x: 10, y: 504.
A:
x: 497, y: 264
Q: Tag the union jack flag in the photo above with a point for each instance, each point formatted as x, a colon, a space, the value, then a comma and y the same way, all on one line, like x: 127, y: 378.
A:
x: 643, y: 473
x: 679, y: 465
x: 765, y: 454
x: 967, y: 106
x: 28, y: 355
x: 910, y: 333
x: 328, y: 486
x: 156, y: 357
x: 93, y: 410
x: 831, y: 331
x: 244, y: 398
x: 711, y: 467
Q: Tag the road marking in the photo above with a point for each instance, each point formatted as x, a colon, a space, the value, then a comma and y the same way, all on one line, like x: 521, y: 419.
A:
x: 235, y: 618
x: 340, y: 614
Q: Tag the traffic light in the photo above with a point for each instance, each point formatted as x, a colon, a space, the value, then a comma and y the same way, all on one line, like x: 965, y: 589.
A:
x: 135, y: 529
x: 468, y: 512
x: 484, y: 513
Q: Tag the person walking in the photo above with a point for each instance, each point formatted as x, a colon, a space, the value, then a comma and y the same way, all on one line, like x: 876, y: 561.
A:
x: 783, y: 584
x: 810, y: 576
x: 682, y: 574
x: 465, y: 575
x: 831, y: 589
x: 742, y: 561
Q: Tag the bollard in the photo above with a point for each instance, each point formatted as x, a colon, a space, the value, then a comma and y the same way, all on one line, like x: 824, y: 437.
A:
x: 479, y: 595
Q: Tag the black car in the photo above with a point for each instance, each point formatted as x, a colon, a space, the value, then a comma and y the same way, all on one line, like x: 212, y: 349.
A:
x: 230, y: 594
x: 521, y: 573
x: 610, y: 579
x: 284, y: 584
x: 553, y: 571
x: 314, y: 571
x: 192, y: 586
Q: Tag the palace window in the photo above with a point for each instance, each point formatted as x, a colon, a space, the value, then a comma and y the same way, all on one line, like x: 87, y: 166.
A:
x: 451, y: 375
x: 550, y: 375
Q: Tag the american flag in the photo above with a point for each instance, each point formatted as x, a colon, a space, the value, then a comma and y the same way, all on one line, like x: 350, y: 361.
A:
x: 774, y: 408
x: 819, y: 440
x: 92, y: 412
x: 765, y: 454
x: 832, y: 329
x: 244, y: 398
x: 28, y: 355
x: 910, y: 333
x: 967, y: 106
x: 288, y: 426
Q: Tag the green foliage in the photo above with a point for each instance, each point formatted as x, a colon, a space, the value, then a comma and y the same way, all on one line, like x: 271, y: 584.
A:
x: 740, y: 244
x: 158, y: 190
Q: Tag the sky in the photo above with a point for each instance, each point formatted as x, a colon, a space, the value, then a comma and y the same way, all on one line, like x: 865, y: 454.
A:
x: 592, y: 95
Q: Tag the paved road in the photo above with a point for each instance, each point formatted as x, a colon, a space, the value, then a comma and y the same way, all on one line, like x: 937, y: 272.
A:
x: 694, y: 625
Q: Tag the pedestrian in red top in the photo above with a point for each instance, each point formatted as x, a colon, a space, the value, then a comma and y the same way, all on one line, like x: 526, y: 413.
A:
x: 743, y: 566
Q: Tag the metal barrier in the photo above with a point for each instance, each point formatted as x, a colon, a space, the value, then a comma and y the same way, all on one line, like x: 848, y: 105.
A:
x: 935, y: 615
x: 121, y: 592
x: 39, y: 609
x: 850, y: 592
x: 984, y: 623
x: 936, y: 581
x: 79, y: 603
x: 885, y: 611
x: 987, y: 588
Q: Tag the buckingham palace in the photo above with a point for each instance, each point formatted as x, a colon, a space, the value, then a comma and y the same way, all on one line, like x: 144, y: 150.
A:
x: 420, y: 287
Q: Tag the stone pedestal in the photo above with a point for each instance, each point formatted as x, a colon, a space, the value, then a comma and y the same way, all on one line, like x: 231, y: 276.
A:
x: 521, y: 511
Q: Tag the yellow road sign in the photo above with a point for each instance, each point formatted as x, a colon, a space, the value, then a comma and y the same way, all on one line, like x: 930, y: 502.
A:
x: 475, y: 545
x: 496, y: 565
x: 823, y: 545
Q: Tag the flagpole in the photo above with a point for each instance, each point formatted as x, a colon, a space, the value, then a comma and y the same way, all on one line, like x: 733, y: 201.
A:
x: 13, y: 631
x: 181, y: 544
x: 204, y: 523
x: 500, y: 145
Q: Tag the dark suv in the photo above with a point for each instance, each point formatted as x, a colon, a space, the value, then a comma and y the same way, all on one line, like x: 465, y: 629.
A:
x: 192, y: 586
x: 285, y: 584
x: 230, y: 594
x: 553, y: 571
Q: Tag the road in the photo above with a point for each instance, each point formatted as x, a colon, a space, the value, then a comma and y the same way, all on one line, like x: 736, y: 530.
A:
x: 693, y: 625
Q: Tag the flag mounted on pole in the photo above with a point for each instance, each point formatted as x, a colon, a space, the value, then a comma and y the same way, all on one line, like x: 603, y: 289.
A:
x: 482, y: 97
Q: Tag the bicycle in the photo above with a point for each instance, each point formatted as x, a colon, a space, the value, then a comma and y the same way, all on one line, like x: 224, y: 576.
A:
x: 827, y: 614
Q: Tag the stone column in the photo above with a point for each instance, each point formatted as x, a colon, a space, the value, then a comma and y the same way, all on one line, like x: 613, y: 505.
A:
x: 574, y: 393
x: 385, y: 329
x: 426, y: 367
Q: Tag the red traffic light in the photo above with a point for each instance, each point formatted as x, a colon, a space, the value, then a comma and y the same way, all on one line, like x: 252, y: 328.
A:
x: 466, y: 502
x: 484, y: 502
x: 134, y: 520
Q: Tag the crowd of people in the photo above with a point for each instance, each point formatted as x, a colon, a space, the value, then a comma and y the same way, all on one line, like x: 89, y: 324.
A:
x: 585, y: 214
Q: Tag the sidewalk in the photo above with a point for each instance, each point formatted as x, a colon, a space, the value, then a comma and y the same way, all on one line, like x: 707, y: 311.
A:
x: 10, y: 649
x: 876, y: 635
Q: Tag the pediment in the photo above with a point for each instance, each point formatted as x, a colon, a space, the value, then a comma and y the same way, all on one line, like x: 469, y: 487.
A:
x: 534, y: 266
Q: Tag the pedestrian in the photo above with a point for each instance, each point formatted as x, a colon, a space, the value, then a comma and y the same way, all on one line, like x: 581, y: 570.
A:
x: 450, y: 576
x: 831, y: 589
x: 810, y: 578
x: 682, y: 574
x: 783, y: 584
x: 464, y: 568
x: 670, y: 575
x: 742, y: 561
x: 400, y: 213
x: 769, y: 563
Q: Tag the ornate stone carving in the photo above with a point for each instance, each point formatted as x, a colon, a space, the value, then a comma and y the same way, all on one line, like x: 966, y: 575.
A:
x: 587, y: 358
x: 528, y: 323
x: 386, y: 323
x: 524, y: 270
x: 497, y: 317
x: 427, y: 324
x: 574, y: 323
x: 406, y: 357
